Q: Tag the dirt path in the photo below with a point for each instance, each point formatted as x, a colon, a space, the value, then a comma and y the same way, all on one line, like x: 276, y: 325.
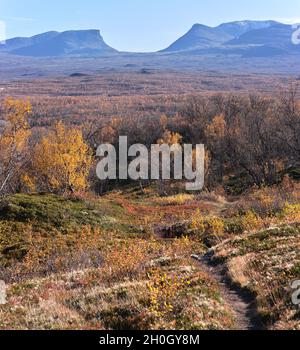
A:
x: 240, y: 301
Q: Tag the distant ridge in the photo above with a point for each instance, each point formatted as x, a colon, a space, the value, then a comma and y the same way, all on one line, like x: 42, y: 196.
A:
x: 240, y: 38
x: 245, y: 38
x: 55, y: 44
x: 240, y: 27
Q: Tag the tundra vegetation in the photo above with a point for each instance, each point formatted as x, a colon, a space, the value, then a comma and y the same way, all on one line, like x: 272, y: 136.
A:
x: 80, y: 253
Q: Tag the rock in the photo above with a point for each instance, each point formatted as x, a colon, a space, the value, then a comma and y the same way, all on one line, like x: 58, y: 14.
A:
x: 177, y: 230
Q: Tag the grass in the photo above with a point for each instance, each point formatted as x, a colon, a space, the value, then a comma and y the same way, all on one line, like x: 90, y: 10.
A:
x: 128, y: 290
x: 178, y: 199
x: 99, y: 263
x: 271, y: 263
x: 70, y: 267
x: 53, y: 211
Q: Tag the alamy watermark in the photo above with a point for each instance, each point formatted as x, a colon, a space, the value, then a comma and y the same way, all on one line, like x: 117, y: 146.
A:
x: 2, y: 33
x: 296, y: 293
x: 296, y: 34
x: 160, y: 162
x: 2, y: 293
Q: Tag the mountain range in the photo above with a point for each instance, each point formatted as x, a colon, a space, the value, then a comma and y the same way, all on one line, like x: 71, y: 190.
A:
x: 55, y: 44
x: 243, y: 38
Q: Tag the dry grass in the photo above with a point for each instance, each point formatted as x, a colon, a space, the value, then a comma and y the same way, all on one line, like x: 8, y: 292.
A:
x: 150, y: 285
x: 179, y: 199
x: 117, y: 274
x: 238, y: 270
x: 266, y: 262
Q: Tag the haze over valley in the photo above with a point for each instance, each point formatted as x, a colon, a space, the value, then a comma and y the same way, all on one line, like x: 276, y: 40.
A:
x: 242, y: 46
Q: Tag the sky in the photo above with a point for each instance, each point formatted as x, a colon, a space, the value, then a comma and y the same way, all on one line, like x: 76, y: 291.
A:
x: 137, y: 25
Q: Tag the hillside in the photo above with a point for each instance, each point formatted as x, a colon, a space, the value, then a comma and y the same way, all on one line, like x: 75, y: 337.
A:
x: 246, y: 39
x: 200, y: 37
x: 115, y: 269
x: 74, y: 43
x: 203, y: 37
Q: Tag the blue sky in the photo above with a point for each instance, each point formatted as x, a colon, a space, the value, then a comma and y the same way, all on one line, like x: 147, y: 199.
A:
x: 137, y: 25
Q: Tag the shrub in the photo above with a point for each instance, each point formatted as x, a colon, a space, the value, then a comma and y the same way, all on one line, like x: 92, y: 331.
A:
x: 210, y: 225
x: 209, y: 229
x: 125, y: 260
x: 163, y: 292
x: 250, y: 221
x: 291, y: 211
x: 270, y: 201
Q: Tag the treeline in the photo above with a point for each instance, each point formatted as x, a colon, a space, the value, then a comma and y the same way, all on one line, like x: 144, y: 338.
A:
x: 249, y: 140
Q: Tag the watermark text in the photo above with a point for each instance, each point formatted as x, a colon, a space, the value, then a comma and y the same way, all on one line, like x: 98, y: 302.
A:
x: 160, y: 162
x: 296, y: 34
x: 296, y: 292
x: 2, y: 293
x: 2, y: 33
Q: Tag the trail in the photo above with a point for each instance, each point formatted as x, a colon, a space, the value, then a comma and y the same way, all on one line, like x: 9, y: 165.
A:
x: 240, y: 301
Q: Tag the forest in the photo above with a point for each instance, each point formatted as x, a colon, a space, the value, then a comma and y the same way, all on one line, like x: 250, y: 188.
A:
x: 250, y: 140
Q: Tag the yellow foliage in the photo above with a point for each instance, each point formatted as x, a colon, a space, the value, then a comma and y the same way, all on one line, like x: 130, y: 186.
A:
x: 59, y: 251
x: 198, y: 223
x: 63, y: 159
x: 28, y: 182
x: 207, y: 225
x: 215, y: 226
x: 250, y: 221
x: 170, y: 138
x: 17, y: 112
x: 14, y: 137
x: 124, y: 260
x: 291, y: 211
x: 163, y: 121
x: 16, y: 130
x: 179, y: 199
x: 163, y: 291
x: 109, y: 133
x: 217, y: 128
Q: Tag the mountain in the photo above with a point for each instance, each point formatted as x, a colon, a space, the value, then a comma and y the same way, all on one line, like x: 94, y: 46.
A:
x: 244, y: 38
x: 240, y: 39
x: 55, y: 44
x: 17, y: 43
x: 278, y: 35
x: 236, y: 29
x: 199, y: 36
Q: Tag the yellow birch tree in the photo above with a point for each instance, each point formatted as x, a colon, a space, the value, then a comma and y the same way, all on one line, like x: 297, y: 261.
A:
x: 14, y: 135
x: 62, y: 160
